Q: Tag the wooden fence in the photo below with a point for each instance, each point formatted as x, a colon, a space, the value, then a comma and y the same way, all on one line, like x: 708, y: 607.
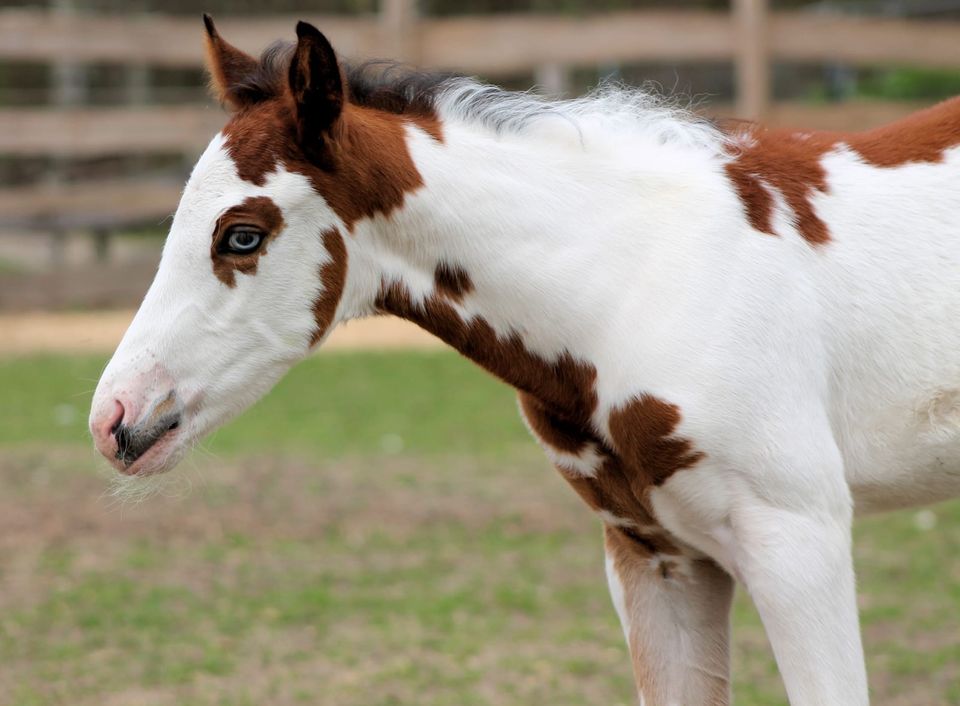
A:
x: 749, y: 36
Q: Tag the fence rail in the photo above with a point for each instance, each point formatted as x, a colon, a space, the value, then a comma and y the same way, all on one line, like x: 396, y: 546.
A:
x: 89, y: 132
x: 496, y: 44
x: 486, y: 45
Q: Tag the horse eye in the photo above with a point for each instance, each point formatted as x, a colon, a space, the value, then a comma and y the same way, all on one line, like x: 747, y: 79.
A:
x: 243, y: 239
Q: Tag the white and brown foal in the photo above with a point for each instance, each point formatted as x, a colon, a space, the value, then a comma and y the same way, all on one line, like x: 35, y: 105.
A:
x: 726, y: 340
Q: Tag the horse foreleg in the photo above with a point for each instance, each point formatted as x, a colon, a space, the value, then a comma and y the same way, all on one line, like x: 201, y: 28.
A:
x: 798, y: 569
x: 675, y: 612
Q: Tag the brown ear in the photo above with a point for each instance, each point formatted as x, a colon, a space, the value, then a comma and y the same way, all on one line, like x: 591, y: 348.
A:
x: 228, y: 66
x: 316, y: 87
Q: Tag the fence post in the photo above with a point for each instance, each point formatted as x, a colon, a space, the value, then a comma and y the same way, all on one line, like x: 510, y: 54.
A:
x: 399, y: 19
x: 101, y: 245
x: 752, y: 62
x: 68, y: 88
x: 137, y: 73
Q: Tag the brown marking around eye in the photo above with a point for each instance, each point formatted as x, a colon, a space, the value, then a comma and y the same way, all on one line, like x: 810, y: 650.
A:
x: 258, y: 211
x: 333, y: 276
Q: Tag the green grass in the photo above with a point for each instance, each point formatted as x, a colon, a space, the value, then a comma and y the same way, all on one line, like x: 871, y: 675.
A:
x: 10, y: 267
x: 180, y: 634
x: 431, y: 402
x: 389, y: 580
x: 314, y: 563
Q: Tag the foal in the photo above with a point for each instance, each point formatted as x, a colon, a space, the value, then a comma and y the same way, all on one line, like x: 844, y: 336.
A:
x: 724, y: 340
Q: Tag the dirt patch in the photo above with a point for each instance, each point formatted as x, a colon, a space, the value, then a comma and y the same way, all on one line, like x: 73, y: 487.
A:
x: 101, y: 331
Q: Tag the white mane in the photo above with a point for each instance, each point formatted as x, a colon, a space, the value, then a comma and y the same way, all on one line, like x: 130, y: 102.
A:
x: 612, y: 111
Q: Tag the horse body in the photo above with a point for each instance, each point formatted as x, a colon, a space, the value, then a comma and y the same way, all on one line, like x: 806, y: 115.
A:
x: 725, y: 342
x: 892, y: 272
x: 665, y: 287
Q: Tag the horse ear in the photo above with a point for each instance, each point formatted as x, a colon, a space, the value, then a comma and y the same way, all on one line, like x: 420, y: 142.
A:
x: 228, y: 67
x: 316, y: 86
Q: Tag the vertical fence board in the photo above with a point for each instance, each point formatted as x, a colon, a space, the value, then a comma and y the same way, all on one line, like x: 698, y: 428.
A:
x: 752, y: 60
x: 400, y: 19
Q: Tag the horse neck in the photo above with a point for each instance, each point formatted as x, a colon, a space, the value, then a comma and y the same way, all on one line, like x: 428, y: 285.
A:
x: 517, y: 251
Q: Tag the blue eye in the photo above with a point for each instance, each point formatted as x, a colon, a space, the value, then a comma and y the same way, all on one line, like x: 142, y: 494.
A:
x: 243, y: 239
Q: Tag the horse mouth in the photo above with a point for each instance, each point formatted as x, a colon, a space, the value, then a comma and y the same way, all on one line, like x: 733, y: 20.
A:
x: 134, y: 442
x: 145, y: 451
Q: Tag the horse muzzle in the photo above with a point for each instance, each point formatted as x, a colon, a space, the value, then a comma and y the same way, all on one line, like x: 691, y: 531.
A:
x: 134, y: 441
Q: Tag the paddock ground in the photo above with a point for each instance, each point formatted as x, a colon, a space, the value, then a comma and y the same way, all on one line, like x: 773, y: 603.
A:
x: 100, y: 332
x: 378, y: 531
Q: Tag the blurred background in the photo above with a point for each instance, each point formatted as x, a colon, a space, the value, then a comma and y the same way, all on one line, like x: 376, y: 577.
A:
x: 380, y: 529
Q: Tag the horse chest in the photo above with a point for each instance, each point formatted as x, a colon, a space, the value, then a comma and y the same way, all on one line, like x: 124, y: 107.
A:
x: 614, y: 477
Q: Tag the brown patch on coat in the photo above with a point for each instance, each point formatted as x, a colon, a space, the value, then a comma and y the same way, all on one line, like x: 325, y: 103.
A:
x: 667, y: 568
x: 428, y: 122
x: 558, y: 399
x: 642, y: 432
x: 564, y: 385
x: 649, y: 541
x: 921, y: 137
x: 792, y: 162
x: 645, y: 453
x: 333, y: 277
x: 613, y: 490
x: 368, y: 170
x: 553, y: 429
x: 345, y: 130
x: 623, y: 546
x: 257, y: 211
x: 452, y: 282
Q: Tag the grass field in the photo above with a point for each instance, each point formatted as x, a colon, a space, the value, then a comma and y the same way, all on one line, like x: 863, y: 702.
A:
x: 378, y: 531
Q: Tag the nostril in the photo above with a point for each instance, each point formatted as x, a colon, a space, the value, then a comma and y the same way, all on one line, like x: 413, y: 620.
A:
x: 116, y: 419
x: 124, y: 439
x: 174, y: 425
